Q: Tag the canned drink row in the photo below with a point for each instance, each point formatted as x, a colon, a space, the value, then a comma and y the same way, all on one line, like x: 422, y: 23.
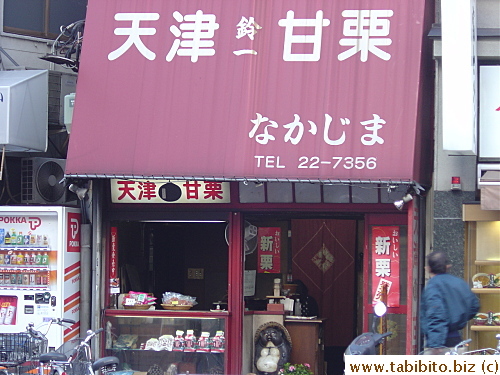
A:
x: 26, y: 279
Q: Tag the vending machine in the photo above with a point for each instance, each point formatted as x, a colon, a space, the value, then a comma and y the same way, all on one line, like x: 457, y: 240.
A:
x: 40, y: 269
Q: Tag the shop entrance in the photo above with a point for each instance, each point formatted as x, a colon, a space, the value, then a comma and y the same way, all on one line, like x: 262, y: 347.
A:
x: 323, y: 254
x: 324, y: 258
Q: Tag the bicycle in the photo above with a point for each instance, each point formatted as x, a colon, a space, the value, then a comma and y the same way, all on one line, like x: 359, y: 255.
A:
x: 19, y: 351
x: 459, y: 349
x: 76, y: 360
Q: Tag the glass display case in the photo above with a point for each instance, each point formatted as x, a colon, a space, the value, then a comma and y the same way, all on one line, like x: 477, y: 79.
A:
x: 167, y: 341
x: 483, y: 257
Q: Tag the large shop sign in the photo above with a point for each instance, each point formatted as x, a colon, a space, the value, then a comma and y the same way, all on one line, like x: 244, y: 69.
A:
x: 250, y: 89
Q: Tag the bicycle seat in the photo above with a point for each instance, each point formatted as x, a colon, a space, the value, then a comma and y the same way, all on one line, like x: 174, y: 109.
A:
x: 52, y: 356
x: 106, y: 361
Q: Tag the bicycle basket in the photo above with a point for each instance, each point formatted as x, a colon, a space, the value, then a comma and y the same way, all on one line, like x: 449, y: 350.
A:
x: 16, y: 348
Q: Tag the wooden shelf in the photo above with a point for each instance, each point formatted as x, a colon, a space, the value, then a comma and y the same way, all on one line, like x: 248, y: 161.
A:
x: 487, y: 262
x: 486, y: 290
x: 485, y: 328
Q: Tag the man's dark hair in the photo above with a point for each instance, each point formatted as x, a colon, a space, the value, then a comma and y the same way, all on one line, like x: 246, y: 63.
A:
x: 438, y: 262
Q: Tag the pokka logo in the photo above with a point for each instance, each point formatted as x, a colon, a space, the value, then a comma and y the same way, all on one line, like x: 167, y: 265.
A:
x: 34, y: 222
x: 73, y: 232
x: 74, y: 227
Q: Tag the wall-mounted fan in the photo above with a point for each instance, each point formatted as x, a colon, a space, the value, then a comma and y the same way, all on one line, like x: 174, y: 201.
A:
x: 250, y: 237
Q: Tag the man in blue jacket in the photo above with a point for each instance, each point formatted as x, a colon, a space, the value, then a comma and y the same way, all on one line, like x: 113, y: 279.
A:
x: 447, y: 304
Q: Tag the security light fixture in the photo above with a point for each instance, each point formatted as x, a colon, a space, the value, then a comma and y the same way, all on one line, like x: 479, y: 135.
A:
x: 80, y: 192
x: 400, y: 203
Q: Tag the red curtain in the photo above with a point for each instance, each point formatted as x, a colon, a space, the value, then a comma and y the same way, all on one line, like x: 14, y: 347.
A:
x: 323, y: 257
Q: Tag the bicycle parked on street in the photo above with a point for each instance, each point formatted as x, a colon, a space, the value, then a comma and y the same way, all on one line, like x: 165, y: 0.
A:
x: 75, y: 358
x: 460, y: 349
x: 20, y: 351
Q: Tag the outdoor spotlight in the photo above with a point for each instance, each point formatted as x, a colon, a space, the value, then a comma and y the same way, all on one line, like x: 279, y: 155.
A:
x: 400, y: 203
x: 79, y: 191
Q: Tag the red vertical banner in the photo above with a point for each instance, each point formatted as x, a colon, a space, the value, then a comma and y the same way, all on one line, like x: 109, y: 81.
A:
x: 269, y: 250
x: 385, y: 264
x: 114, y: 281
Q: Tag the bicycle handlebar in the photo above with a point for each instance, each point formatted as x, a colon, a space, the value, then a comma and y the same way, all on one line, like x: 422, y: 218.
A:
x: 462, y: 343
x: 39, y: 335
x: 69, y: 321
x: 91, y: 334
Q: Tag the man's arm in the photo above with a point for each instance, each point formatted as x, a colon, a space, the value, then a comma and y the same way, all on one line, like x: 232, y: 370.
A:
x: 437, y: 319
x: 474, y: 305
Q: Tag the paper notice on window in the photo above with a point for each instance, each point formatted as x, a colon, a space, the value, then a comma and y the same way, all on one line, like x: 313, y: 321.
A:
x: 249, y: 283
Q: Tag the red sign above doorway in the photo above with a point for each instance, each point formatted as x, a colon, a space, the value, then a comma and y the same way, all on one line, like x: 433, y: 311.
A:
x: 249, y: 89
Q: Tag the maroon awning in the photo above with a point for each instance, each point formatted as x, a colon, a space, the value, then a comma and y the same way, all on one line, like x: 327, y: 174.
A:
x: 250, y: 89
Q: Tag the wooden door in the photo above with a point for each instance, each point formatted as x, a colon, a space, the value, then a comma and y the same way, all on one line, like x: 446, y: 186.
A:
x: 323, y: 258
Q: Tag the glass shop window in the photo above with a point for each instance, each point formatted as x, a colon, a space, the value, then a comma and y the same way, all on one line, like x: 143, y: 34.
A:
x: 44, y: 18
x: 189, y: 258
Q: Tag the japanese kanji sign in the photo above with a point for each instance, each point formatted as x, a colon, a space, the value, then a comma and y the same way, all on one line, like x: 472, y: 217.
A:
x: 385, y: 264
x: 290, y: 89
x: 157, y: 191
x: 114, y: 281
x: 269, y: 250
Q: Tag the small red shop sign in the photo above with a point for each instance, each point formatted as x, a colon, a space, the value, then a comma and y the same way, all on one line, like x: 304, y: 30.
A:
x: 114, y: 281
x: 158, y: 191
x: 385, y: 264
x: 269, y: 249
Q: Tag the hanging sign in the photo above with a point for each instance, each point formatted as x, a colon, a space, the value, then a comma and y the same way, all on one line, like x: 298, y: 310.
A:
x: 114, y: 281
x: 385, y: 264
x: 269, y: 249
x: 159, y: 191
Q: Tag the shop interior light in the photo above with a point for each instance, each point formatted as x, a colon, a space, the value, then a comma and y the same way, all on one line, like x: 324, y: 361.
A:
x: 400, y: 203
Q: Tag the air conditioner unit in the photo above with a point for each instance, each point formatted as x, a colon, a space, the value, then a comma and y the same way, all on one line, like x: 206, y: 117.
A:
x: 40, y: 181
